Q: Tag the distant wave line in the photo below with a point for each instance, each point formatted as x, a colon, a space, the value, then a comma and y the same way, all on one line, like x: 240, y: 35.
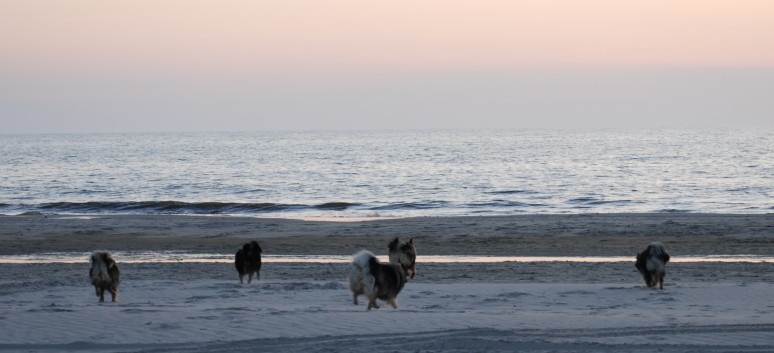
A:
x: 494, y: 206
x: 174, y: 207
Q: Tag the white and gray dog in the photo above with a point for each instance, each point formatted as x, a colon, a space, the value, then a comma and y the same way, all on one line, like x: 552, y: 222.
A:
x: 405, y: 255
x: 376, y: 280
x: 104, y: 275
x: 652, y: 264
x: 248, y: 261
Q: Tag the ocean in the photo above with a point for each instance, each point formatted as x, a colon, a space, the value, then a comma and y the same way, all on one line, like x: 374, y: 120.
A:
x: 352, y: 174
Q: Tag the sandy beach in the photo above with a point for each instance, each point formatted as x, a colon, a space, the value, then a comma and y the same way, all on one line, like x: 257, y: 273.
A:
x: 449, y: 307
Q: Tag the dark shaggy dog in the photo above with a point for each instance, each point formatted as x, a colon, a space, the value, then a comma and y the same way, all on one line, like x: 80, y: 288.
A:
x: 104, y: 275
x: 376, y: 280
x: 248, y: 261
x: 652, y: 265
x: 405, y: 255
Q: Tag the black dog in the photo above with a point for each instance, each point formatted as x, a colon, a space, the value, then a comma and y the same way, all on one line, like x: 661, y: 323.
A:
x: 376, y: 280
x: 652, y: 265
x: 104, y: 275
x: 248, y: 261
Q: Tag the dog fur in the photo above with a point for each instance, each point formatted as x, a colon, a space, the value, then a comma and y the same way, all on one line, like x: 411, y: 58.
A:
x: 405, y: 255
x: 105, y: 275
x: 248, y: 261
x: 652, y: 265
x: 376, y: 280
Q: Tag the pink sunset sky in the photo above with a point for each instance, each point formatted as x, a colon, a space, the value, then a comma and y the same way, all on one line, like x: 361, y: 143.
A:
x: 92, y: 66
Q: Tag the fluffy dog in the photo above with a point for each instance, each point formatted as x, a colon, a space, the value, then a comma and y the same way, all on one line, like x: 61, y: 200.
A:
x: 405, y: 255
x: 652, y: 265
x: 248, y: 261
x: 376, y: 280
x: 104, y: 275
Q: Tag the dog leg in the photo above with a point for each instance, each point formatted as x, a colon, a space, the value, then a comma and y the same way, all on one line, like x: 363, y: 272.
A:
x: 369, y: 283
x: 354, y: 298
x: 114, y: 294
x: 241, y: 279
x: 101, y: 293
x: 394, y: 303
x: 249, y: 278
x: 372, y: 304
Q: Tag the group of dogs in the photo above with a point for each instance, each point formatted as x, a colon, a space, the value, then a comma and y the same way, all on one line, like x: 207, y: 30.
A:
x: 368, y: 276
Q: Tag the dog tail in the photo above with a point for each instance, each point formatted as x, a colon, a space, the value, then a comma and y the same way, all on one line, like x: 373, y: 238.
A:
x: 360, y: 271
x: 658, y: 250
x: 373, y: 265
x: 362, y: 260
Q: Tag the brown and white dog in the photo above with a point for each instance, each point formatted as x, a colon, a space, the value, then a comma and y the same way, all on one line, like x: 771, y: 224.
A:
x: 104, y: 275
x: 376, y: 280
x: 405, y: 255
x: 652, y: 264
x: 248, y: 261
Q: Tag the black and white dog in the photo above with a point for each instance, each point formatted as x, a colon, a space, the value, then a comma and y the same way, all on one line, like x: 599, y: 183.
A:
x: 248, y: 261
x: 652, y: 264
x: 376, y: 280
x: 104, y: 275
x: 405, y: 255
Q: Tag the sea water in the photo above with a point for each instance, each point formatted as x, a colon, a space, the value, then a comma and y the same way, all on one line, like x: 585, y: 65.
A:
x: 351, y: 174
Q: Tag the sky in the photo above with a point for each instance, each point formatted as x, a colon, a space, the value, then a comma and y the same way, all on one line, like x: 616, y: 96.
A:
x: 235, y: 65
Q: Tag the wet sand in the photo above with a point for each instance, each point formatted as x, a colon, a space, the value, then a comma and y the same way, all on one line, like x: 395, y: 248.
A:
x: 527, y: 235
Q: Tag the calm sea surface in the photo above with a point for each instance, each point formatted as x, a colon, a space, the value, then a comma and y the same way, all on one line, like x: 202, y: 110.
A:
x: 389, y: 173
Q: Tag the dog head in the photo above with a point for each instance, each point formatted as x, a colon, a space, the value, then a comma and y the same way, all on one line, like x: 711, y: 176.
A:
x: 404, y: 254
x: 252, y: 250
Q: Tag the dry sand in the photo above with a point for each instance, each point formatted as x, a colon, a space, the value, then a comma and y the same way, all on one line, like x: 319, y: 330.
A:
x: 530, y: 307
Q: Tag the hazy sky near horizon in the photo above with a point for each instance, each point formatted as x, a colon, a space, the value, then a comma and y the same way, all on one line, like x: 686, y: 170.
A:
x: 182, y: 65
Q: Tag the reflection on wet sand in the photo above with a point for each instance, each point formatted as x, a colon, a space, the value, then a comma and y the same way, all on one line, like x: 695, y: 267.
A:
x: 179, y: 256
